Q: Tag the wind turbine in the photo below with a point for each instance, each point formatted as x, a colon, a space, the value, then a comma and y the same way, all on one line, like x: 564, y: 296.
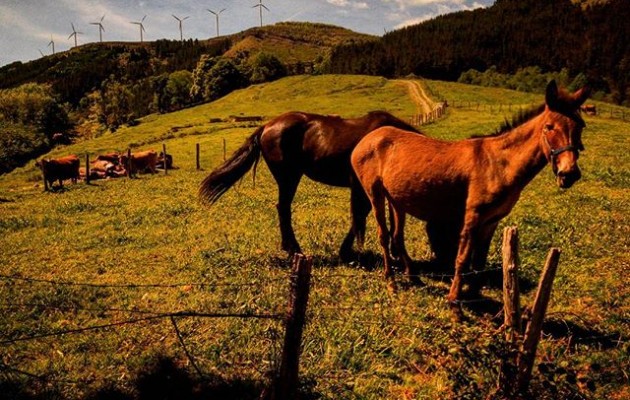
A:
x: 100, y: 27
x: 181, y: 32
x: 260, y: 5
x: 74, y: 33
x: 41, y: 52
x: 140, y: 24
x: 216, y: 14
x: 52, y: 43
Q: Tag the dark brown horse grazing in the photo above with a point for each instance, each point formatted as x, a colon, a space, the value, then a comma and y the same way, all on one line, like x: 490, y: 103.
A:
x: 296, y: 144
x: 472, y: 183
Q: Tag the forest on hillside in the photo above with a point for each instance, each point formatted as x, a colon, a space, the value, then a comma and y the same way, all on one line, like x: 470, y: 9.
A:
x: 512, y: 34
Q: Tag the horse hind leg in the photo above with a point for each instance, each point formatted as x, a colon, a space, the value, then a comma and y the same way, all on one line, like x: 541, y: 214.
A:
x: 377, y: 199
x: 398, y: 243
x: 359, y: 209
x: 287, y: 186
x: 479, y: 258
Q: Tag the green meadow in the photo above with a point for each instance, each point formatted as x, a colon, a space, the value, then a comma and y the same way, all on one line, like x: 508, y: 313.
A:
x: 147, y: 246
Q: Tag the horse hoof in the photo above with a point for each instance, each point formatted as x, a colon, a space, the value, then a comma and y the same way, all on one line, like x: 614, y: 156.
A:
x: 347, y: 256
x: 392, y: 288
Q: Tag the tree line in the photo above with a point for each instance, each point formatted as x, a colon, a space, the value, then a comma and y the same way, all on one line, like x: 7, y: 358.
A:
x: 554, y: 35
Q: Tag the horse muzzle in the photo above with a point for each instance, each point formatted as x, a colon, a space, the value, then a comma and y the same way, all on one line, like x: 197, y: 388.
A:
x: 566, y: 179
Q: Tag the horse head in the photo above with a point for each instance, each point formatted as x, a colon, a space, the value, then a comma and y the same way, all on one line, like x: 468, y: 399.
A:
x: 561, y: 132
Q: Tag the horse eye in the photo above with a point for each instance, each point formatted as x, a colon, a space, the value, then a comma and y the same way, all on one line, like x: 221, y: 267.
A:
x: 549, y: 127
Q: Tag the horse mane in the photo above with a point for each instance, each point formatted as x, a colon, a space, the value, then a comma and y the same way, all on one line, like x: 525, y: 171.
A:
x: 518, y: 118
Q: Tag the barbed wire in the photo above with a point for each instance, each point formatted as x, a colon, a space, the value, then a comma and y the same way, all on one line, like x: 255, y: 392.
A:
x: 178, y: 314
x: 6, y: 277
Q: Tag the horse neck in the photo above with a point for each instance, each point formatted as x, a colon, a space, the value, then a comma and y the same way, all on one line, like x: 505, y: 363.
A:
x: 520, y: 151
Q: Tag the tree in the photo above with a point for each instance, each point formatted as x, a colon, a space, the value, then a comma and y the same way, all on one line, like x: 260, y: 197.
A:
x: 215, y: 77
x: 266, y: 67
x: 178, y: 88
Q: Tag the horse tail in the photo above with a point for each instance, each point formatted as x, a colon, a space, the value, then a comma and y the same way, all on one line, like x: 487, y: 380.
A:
x: 232, y: 169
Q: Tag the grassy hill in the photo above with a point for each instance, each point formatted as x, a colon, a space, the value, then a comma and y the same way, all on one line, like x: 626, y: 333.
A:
x: 360, y: 341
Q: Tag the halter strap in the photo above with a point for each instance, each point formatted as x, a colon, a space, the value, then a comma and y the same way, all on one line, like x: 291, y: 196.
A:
x: 553, y: 153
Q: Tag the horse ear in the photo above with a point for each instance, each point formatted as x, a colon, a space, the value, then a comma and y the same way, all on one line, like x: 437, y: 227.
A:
x: 551, y: 94
x: 580, y: 96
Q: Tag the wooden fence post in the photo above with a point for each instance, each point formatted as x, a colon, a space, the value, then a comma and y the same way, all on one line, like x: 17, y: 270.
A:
x: 165, y: 163
x: 224, y: 149
x: 128, y: 166
x: 286, y: 384
x: 197, y: 156
x: 512, y: 308
x: 87, y: 168
x: 534, y: 327
x: 511, y: 312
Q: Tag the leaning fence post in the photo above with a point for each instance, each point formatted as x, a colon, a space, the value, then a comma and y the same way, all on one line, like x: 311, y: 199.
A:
x: 534, y: 327
x: 224, y: 151
x: 87, y: 168
x: 286, y: 384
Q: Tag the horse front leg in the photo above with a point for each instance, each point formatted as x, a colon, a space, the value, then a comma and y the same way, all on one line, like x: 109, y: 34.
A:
x: 479, y: 258
x: 359, y: 209
x: 464, y: 252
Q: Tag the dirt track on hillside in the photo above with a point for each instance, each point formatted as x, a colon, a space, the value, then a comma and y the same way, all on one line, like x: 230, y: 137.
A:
x: 423, y: 103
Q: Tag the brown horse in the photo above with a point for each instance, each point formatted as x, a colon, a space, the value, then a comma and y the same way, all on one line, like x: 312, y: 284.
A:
x: 471, y: 183
x: 296, y: 144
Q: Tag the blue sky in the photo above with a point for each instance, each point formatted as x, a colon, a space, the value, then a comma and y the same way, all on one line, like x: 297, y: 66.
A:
x: 26, y: 26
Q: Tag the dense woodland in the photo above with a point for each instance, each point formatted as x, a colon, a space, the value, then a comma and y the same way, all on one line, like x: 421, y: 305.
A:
x: 512, y: 34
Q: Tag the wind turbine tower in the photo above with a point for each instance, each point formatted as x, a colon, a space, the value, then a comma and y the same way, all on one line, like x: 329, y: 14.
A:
x: 260, y: 6
x: 74, y: 33
x: 216, y: 14
x: 181, y: 31
x: 52, y: 43
x: 141, y: 26
x: 100, y: 27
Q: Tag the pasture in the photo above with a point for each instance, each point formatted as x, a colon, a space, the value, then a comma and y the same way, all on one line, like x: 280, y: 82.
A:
x: 147, y: 246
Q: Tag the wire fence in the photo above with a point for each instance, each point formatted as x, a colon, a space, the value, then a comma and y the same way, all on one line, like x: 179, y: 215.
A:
x: 327, y: 311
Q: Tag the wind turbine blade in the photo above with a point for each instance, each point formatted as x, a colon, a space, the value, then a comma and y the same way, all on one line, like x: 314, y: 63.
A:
x: 101, y: 27
x: 142, y: 20
x: 142, y: 28
x: 265, y: 7
x: 185, y: 18
x: 72, y: 34
x: 103, y: 17
x: 175, y: 17
x: 221, y: 11
x: 73, y: 30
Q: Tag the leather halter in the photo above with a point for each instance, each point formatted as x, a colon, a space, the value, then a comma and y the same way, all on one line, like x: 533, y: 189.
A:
x: 553, y: 153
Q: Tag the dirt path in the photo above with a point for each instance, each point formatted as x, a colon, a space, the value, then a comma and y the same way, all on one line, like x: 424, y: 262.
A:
x: 423, y: 103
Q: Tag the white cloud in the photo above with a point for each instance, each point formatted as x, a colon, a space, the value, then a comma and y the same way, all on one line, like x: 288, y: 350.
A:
x: 357, y: 5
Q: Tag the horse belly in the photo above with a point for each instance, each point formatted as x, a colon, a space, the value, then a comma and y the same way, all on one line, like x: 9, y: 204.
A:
x: 430, y: 202
x: 334, y: 171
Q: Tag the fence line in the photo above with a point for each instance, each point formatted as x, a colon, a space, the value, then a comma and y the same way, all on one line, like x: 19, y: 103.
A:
x: 6, y: 277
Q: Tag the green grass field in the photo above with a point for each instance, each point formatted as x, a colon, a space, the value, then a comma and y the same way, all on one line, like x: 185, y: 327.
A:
x: 360, y: 342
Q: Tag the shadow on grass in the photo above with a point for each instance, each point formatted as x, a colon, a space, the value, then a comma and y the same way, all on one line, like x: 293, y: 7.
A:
x: 161, y: 379
x: 577, y: 335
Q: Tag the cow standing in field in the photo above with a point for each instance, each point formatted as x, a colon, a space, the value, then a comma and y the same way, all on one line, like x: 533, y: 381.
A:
x: 140, y: 162
x: 59, y: 169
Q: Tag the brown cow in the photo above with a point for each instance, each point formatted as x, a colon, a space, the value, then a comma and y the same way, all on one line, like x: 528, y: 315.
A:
x: 59, y: 169
x: 140, y: 161
x: 113, y: 158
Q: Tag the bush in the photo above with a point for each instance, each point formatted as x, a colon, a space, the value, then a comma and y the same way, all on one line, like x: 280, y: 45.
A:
x: 19, y: 144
